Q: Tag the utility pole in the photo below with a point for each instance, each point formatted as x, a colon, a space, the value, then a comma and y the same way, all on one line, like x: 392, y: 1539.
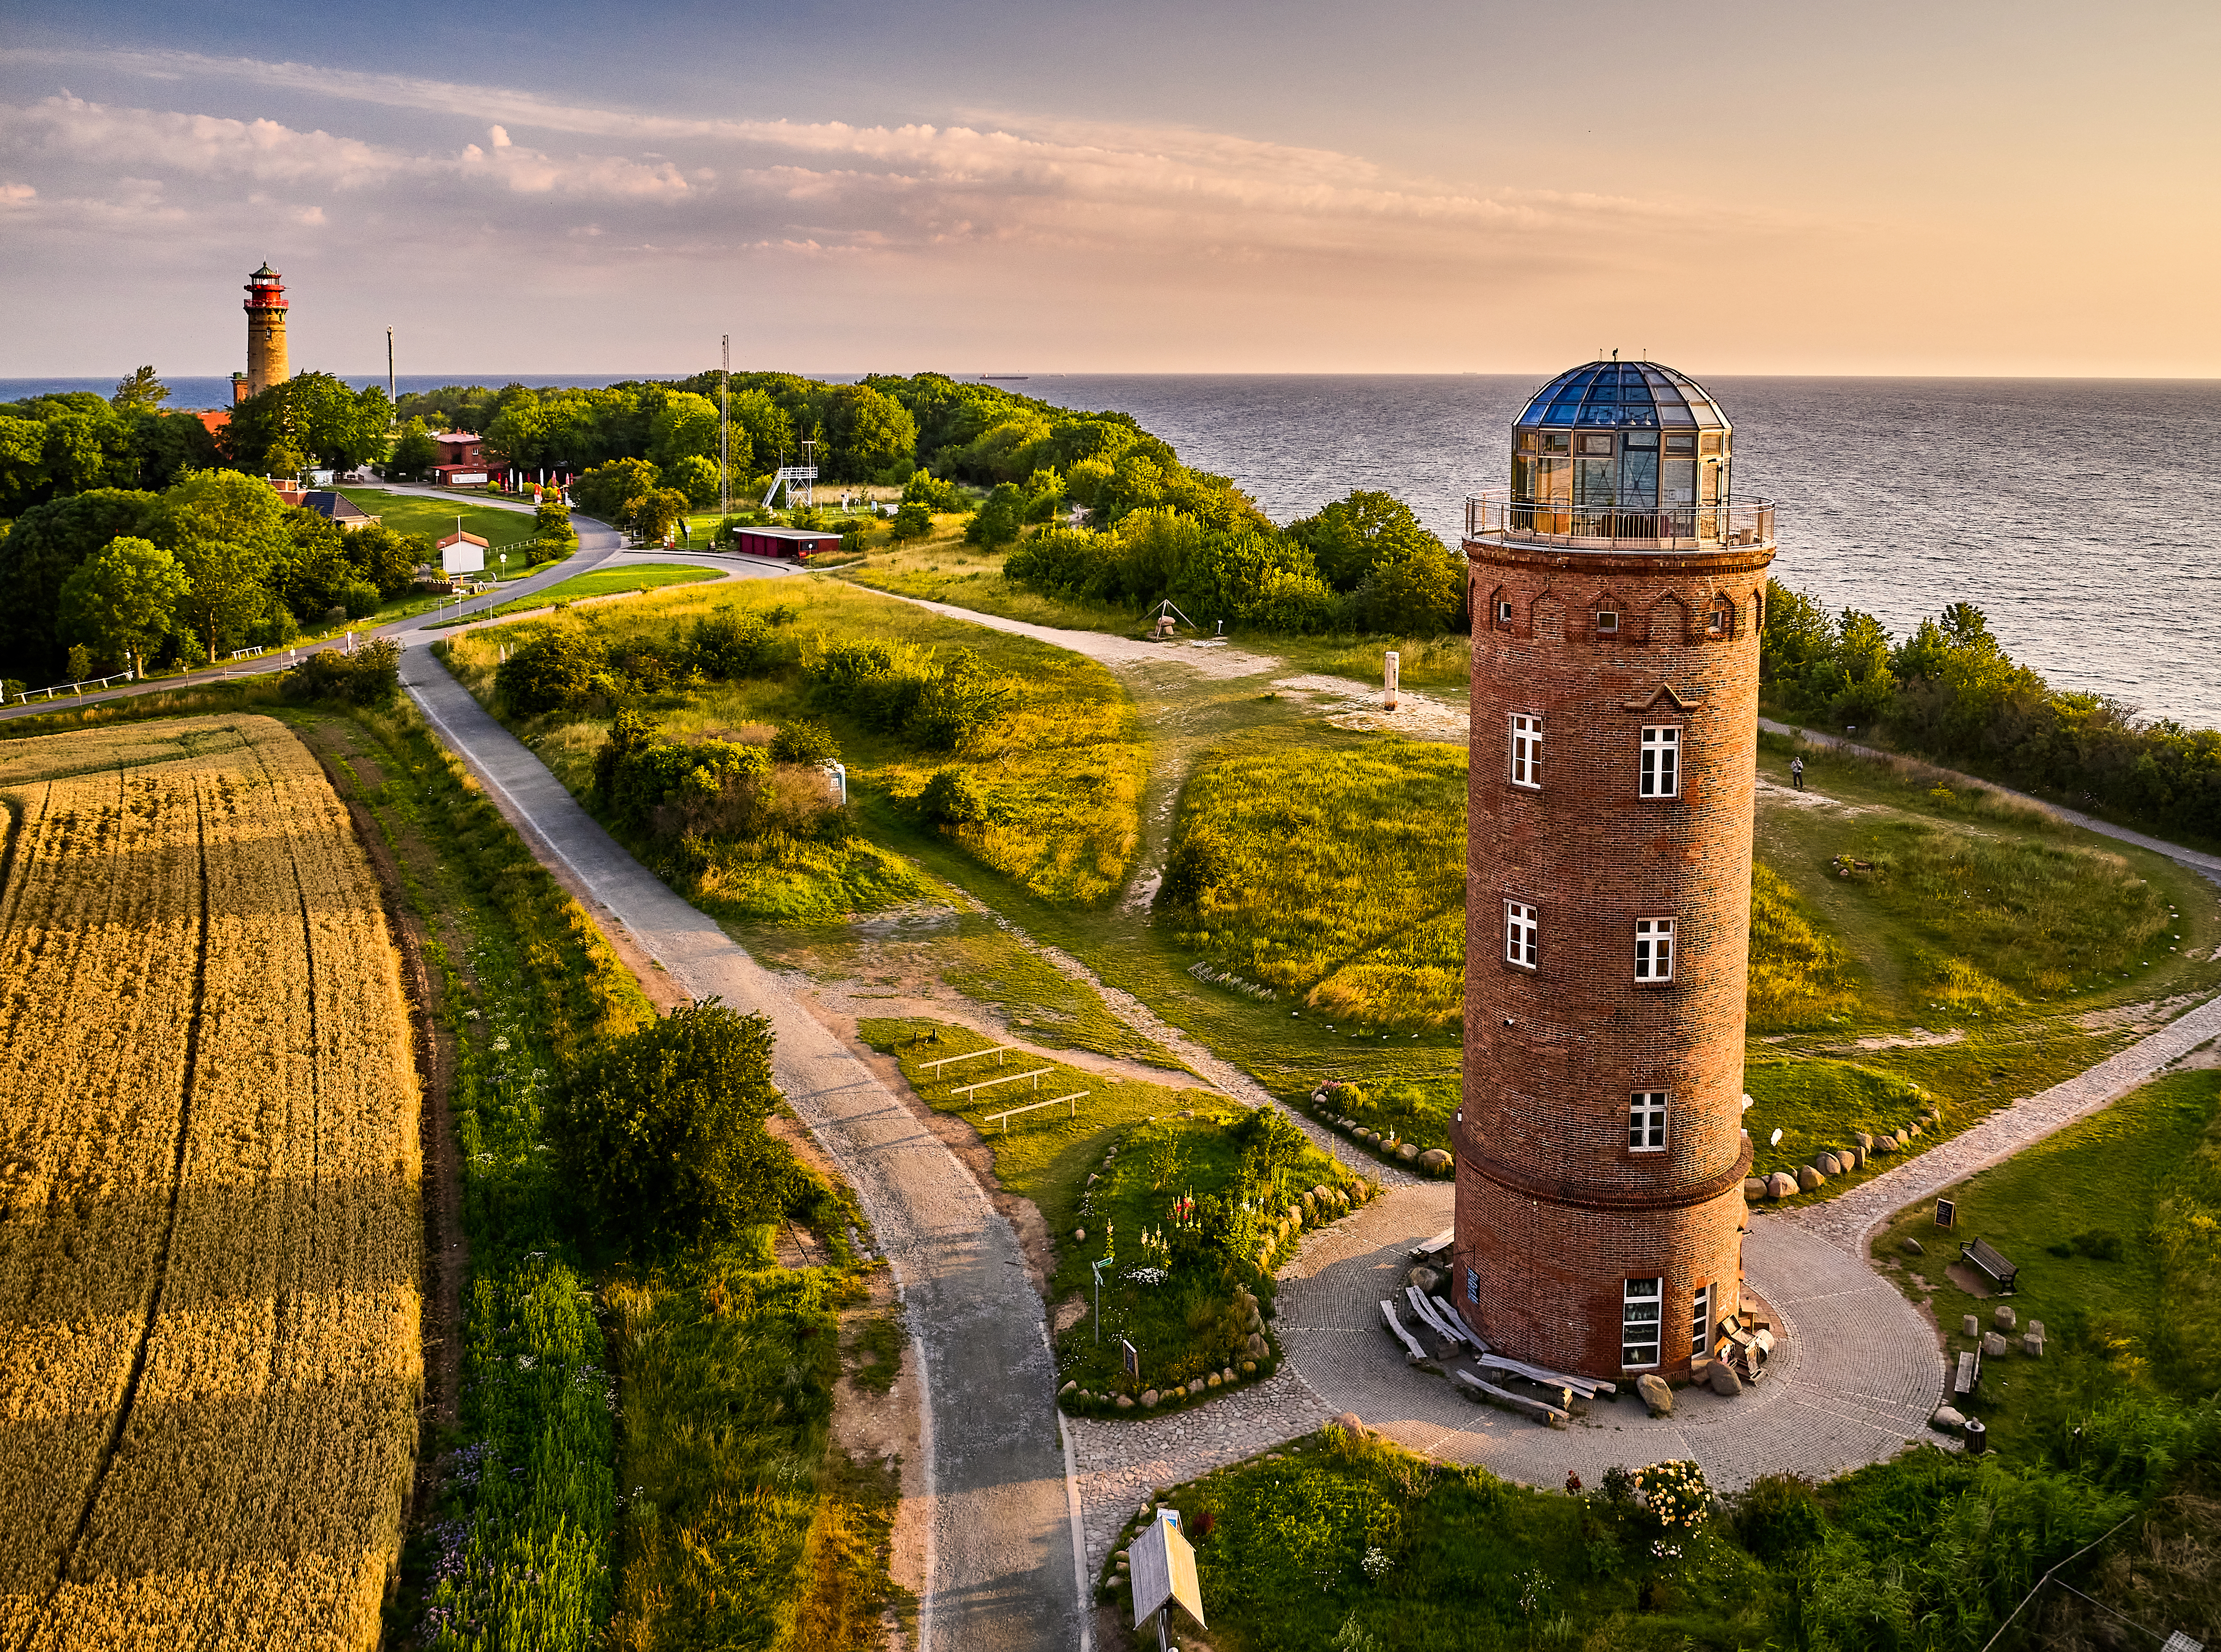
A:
x: 725, y: 433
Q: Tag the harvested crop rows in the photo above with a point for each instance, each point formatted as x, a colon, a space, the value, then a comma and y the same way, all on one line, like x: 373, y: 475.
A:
x: 210, y: 1228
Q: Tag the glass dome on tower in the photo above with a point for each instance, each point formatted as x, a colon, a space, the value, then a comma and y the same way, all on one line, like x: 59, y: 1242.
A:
x: 1616, y: 455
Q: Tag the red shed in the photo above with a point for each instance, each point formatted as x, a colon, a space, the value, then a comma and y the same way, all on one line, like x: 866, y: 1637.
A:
x: 798, y: 543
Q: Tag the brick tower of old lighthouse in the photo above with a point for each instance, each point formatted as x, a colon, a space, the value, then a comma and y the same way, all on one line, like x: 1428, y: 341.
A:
x: 1617, y: 591
x: 265, y: 336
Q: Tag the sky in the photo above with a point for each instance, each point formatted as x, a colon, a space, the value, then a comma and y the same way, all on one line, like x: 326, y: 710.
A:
x: 1126, y: 185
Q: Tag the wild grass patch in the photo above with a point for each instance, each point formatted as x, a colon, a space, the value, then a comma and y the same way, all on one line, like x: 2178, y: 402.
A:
x: 1332, y: 873
x: 1799, y: 973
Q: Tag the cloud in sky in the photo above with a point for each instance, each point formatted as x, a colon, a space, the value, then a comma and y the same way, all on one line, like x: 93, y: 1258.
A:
x: 503, y: 226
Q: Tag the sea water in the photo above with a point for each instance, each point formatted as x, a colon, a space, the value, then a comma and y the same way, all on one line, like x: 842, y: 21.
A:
x: 2080, y: 515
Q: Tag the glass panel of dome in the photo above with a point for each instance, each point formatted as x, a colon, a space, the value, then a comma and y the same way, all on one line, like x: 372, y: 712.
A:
x: 1638, y: 478
x: 1554, y: 481
x: 1557, y: 441
x: 1523, y: 479
x: 1594, y: 482
x: 1677, y: 483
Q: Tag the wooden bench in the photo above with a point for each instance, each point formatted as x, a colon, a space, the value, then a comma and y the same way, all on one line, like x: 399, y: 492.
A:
x: 1970, y: 1372
x: 1977, y: 1254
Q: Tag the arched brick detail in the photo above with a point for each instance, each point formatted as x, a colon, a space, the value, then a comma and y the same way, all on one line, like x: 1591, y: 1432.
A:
x: 1666, y: 621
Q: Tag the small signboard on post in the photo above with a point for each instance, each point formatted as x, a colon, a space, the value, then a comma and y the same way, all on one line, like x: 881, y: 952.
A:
x: 1947, y: 1213
x: 1130, y: 1358
x: 1163, y: 1565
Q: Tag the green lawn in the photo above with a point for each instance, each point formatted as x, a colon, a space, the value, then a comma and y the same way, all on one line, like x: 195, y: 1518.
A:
x: 609, y: 582
x: 2131, y: 1196
x: 411, y: 513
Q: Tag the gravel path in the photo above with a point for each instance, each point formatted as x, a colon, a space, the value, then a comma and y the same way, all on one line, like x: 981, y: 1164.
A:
x: 1000, y: 1547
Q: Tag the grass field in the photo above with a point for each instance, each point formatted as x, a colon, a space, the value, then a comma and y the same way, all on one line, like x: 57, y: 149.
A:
x: 2111, y: 1223
x: 211, y: 1233
x: 411, y: 513
x: 1063, y: 763
x: 609, y: 582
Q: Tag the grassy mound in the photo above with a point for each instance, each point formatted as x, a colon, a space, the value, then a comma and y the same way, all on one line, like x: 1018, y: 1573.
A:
x: 1817, y: 1103
x: 1060, y: 767
x: 1332, y: 873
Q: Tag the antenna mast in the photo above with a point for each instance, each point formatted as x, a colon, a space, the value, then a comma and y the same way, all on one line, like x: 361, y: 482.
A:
x: 725, y: 432
x: 390, y: 396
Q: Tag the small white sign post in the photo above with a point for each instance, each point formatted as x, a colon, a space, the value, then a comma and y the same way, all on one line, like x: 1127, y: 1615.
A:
x: 1389, y: 668
x: 1163, y: 1568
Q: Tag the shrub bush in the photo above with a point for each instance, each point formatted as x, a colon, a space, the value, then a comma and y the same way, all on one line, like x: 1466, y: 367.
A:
x: 805, y: 742
x: 660, y: 1135
x: 731, y: 643
x: 359, y: 599
x: 552, y: 672
x: 953, y: 797
x: 370, y: 676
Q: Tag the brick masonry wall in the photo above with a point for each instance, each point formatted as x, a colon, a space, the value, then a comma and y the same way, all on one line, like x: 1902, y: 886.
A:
x: 1554, y: 1209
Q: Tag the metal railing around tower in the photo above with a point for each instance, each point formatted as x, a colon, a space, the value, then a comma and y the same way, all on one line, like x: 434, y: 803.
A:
x: 1494, y: 514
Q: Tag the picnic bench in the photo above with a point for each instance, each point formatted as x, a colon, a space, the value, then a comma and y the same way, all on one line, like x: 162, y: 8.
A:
x: 1978, y: 1256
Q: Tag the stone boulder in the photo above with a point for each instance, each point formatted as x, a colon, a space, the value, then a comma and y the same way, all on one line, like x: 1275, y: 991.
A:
x: 1125, y: 1402
x: 1150, y: 1397
x: 1655, y: 1394
x: 1227, y: 1375
x: 2004, y: 1319
x: 1425, y: 1278
x: 1969, y: 1325
x: 1349, y: 1424
x: 1248, y: 1367
x: 1912, y: 1247
x: 1865, y: 1141
x: 1852, y: 1157
x: 1214, y: 1380
x: 1993, y: 1346
x: 1257, y: 1347
x: 1080, y: 1233
x: 1885, y: 1144
x: 1435, y: 1160
x: 1946, y: 1419
x: 1808, y: 1178
x: 1408, y: 1152
x: 1827, y: 1164
x: 1753, y: 1187
x: 1780, y: 1185
x: 1069, y: 1387
x: 1722, y: 1380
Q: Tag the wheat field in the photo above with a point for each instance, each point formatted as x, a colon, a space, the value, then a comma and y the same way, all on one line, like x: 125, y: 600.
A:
x: 209, y: 1219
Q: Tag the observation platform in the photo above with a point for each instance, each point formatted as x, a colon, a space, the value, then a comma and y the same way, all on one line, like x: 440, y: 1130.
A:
x: 1496, y: 515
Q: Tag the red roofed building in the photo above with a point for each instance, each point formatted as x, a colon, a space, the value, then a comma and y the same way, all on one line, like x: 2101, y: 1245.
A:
x: 462, y: 460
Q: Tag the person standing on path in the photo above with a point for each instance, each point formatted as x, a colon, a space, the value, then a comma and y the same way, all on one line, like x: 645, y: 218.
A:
x: 1797, y: 773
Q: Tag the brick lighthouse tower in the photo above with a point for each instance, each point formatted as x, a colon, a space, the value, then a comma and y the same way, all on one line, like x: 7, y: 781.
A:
x: 1617, y: 592
x: 265, y: 336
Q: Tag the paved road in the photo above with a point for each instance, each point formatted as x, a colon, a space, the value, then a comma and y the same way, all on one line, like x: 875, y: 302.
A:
x: 1000, y: 1545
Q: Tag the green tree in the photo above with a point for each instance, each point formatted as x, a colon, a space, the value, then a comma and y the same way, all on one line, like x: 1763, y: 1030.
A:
x: 414, y: 455
x: 123, y: 600
x: 141, y: 390
x: 685, y: 427
x: 771, y: 432
x: 871, y: 435
x: 1413, y: 589
x: 1349, y: 536
x: 697, y: 477
x: 551, y: 520
x: 607, y: 493
x: 48, y: 544
x: 997, y: 521
x: 656, y: 513
x: 309, y: 414
x: 660, y: 1134
x: 225, y: 590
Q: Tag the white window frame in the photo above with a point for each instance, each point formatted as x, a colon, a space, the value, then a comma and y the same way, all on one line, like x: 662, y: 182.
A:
x: 1522, y: 934
x: 1700, y: 1323
x: 1660, y: 774
x: 1646, y: 1121
x: 1607, y: 622
x: 1634, y: 1296
x: 1526, y: 752
x: 1503, y: 612
x: 1654, y: 949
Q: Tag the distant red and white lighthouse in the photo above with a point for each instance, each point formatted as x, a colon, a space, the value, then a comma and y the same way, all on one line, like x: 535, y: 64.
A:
x: 1617, y: 592
x: 265, y: 336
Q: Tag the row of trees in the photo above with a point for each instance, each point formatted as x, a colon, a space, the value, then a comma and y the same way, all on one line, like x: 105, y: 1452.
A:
x: 1949, y: 690
x: 137, y: 579
x: 1362, y: 563
x: 54, y: 446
